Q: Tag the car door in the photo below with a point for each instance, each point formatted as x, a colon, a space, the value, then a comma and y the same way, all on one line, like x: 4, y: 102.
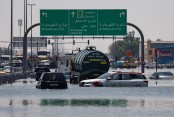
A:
x: 126, y: 80
x: 113, y: 81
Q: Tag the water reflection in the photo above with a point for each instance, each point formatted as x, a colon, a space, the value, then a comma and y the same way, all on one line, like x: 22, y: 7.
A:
x: 93, y: 103
x: 25, y: 81
x: 54, y: 102
x: 84, y: 102
x: 23, y: 102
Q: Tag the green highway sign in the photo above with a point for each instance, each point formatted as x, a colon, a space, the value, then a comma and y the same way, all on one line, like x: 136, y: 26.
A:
x: 83, y: 22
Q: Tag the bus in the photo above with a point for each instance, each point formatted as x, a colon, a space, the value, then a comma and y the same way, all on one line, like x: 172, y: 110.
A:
x: 4, y: 58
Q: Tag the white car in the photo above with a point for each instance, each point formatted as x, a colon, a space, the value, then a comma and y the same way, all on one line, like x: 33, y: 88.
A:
x: 165, y: 75
x: 117, y: 79
x: 153, y: 65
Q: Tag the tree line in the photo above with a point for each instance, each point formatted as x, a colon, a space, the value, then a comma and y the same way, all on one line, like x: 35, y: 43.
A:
x: 119, y: 48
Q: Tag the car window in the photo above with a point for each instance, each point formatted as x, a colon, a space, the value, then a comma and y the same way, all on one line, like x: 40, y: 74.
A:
x: 115, y: 77
x: 42, y: 70
x: 46, y: 70
x: 137, y: 76
x: 53, y: 77
x: 125, y: 77
x: 104, y: 76
x: 166, y: 73
x: 154, y: 74
x: 67, y: 73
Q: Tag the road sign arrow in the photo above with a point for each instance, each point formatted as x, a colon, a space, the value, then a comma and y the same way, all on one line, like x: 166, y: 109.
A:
x: 44, y: 14
x: 73, y: 13
x: 122, y: 13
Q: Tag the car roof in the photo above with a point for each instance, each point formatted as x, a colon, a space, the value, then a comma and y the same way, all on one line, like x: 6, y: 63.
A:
x: 41, y: 67
x: 53, y: 72
x: 120, y: 72
x: 164, y: 72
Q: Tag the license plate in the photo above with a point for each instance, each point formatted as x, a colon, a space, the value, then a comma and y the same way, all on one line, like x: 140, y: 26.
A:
x: 54, y: 84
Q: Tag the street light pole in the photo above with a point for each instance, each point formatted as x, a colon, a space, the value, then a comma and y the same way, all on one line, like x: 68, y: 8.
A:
x: 20, y: 24
x: 52, y: 49
x: 24, y: 14
x: 11, y: 36
x: 37, y: 48
x: 31, y: 25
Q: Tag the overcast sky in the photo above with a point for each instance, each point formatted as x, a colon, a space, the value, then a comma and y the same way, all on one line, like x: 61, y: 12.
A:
x: 154, y: 17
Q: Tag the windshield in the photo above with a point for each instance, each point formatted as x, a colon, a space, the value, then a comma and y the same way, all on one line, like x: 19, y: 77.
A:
x: 104, y: 76
x: 6, y: 67
x: 165, y: 74
x: 17, y: 64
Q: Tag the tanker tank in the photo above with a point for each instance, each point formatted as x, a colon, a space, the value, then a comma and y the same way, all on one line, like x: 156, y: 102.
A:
x: 88, y: 64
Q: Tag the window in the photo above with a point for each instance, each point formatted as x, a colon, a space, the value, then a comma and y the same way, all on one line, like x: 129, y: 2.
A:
x: 125, y: 77
x: 115, y: 77
x: 137, y: 76
x: 53, y: 77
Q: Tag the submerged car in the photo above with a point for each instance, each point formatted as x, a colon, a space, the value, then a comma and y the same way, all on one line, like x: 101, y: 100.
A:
x: 38, y: 71
x: 52, y: 80
x: 166, y: 75
x: 117, y: 79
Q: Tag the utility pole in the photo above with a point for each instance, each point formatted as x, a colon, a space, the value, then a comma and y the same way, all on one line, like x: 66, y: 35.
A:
x: 11, y: 36
x: 31, y: 34
x: 31, y: 25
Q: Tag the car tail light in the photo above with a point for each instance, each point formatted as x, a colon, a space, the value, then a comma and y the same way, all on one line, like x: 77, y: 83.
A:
x: 146, y: 81
x: 97, y: 84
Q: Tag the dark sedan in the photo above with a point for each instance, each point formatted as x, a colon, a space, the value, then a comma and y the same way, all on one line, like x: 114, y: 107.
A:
x: 52, y: 80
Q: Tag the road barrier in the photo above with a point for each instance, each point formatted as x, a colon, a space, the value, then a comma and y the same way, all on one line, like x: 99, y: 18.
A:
x: 12, y: 77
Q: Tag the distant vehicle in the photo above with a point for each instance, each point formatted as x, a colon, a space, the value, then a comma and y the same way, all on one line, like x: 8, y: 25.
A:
x: 125, y: 64
x: 52, y: 80
x: 162, y: 75
x: 170, y: 65
x: 117, y: 79
x: 43, y: 53
x: 153, y: 65
x: 7, y: 69
x: 39, y: 70
x: 17, y: 65
x: 5, y: 58
x: 44, y: 63
x: 2, y: 72
x: 67, y: 75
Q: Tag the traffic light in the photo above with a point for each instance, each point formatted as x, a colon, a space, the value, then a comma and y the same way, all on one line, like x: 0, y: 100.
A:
x: 73, y: 42
x: 88, y: 42
x: 49, y: 42
x: 45, y: 42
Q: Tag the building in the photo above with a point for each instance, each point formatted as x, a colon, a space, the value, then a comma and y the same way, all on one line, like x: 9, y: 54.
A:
x: 164, y: 53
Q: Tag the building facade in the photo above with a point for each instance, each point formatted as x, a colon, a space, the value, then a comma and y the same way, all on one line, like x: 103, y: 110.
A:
x: 164, y: 53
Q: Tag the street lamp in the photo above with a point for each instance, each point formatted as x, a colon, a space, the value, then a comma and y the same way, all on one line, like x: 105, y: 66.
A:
x: 11, y: 35
x: 52, y: 49
x: 31, y: 25
x: 37, y: 48
x: 20, y: 24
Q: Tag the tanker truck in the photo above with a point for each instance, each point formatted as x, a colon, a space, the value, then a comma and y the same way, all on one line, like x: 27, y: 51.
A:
x: 88, y: 64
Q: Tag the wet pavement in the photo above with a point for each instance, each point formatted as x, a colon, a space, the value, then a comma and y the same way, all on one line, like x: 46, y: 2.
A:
x: 21, y: 99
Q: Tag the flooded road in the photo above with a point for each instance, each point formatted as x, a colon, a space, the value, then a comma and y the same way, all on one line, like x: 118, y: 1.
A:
x: 23, y: 99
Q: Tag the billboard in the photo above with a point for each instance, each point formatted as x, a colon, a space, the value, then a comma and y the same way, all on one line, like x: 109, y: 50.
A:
x: 165, y: 53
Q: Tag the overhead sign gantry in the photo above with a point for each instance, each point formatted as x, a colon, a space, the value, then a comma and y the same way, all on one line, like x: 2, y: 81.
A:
x: 83, y: 22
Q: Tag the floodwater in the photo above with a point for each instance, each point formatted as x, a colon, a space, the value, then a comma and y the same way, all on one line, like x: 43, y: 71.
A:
x: 22, y: 99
